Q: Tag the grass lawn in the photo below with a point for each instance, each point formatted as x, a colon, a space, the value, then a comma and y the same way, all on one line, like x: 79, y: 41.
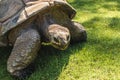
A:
x: 96, y: 59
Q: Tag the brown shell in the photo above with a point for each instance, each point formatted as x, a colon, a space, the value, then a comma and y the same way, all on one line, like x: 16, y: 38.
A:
x: 15, y: 12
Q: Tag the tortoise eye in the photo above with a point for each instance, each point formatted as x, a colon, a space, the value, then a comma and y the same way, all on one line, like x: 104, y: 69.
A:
x: 56, y: 40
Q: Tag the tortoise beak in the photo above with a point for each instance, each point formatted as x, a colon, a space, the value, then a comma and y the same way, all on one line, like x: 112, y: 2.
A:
x: 62, y: 45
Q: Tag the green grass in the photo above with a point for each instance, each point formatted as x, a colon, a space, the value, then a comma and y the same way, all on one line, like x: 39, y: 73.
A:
x: 96, y: 59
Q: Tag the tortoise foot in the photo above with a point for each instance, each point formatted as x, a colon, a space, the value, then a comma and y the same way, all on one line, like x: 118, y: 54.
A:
x: 79, y: 34
x: 24, y: 73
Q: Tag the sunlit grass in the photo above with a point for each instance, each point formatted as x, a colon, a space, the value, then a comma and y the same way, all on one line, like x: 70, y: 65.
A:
x: 96, y: 59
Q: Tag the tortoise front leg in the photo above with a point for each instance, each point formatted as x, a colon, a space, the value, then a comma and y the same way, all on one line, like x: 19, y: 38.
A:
x: 78, y: 32
x: 24, y: 52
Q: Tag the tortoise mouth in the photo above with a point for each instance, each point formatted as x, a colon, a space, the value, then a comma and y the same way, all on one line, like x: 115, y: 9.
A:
x: 60, y: 46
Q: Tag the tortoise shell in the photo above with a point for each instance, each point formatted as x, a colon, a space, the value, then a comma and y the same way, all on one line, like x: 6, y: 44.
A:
x: 15, y: 12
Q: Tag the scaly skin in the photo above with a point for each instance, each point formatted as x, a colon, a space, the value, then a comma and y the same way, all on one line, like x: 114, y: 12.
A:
x: 59, y: 36
x: 56, y: 35
x: 79, y: 34
x: 24, y: 51
x: 57, y: 16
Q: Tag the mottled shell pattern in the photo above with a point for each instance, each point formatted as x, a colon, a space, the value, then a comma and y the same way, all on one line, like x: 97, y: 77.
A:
x: 15, y: 12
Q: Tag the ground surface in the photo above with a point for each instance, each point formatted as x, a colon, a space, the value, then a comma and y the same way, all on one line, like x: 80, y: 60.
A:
x: 97, y: 59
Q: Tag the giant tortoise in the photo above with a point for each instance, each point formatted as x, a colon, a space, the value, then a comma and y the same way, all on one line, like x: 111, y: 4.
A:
x: 25, y: 24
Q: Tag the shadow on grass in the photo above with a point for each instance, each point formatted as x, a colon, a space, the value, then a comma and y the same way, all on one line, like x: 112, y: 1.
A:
x: 94, y: 5
x: 83, y: 5
x: 4, y: 54
x: 103, y: 34
x: 51, y: 62
x: 114, y: 24
x: 98, y: 23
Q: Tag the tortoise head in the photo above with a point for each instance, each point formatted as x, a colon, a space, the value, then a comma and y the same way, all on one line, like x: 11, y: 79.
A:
x: 59, y: 36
